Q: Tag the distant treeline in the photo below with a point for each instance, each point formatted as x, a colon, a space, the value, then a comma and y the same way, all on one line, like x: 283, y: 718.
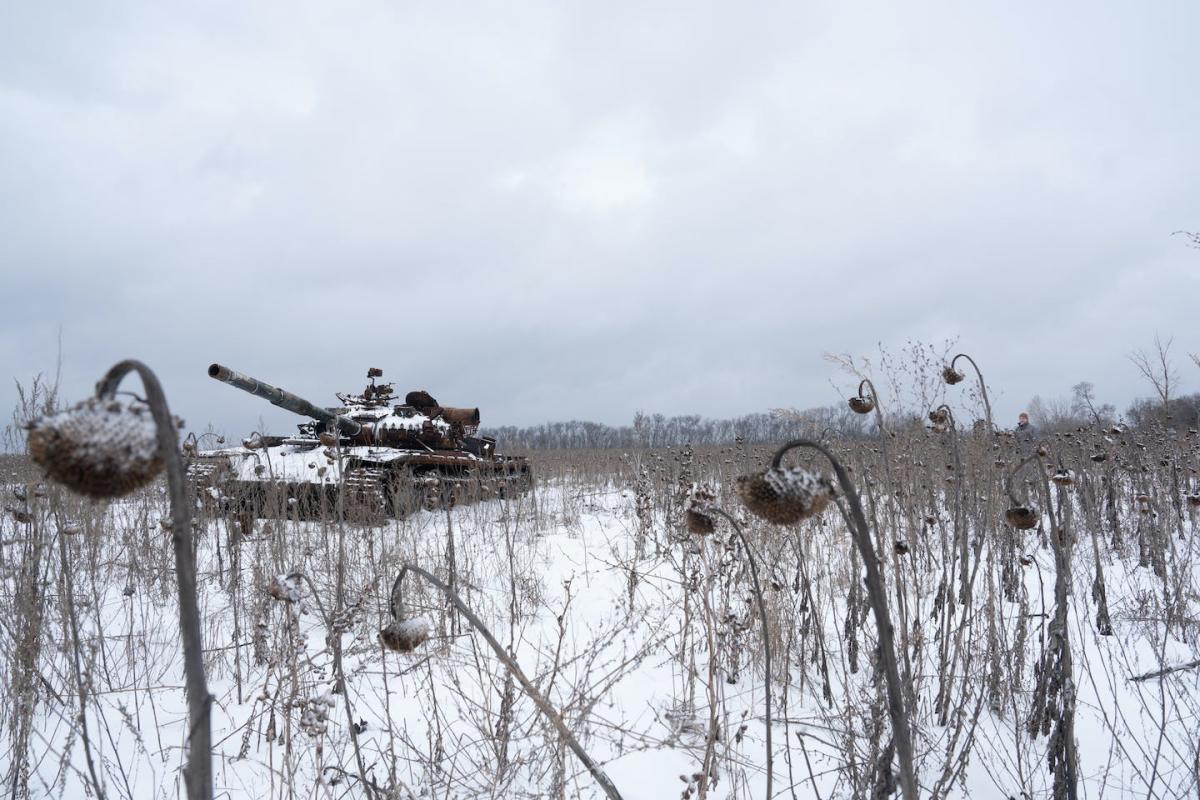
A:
x: 836, y: 421
x: 657, y: 430
x: 1083, y: 410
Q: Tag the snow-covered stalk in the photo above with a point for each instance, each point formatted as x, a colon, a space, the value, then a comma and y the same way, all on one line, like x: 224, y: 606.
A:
x: 103, y: 449
x: 766, y: 638
x: 960, y: 523
x: 401, y: 625
x: 1056, y: 676
x: 877, y: 597
x: 198, y: 772
x: 80, y: 683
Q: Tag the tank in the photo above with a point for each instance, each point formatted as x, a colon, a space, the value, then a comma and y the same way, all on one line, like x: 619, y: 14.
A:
x: 371, y: 458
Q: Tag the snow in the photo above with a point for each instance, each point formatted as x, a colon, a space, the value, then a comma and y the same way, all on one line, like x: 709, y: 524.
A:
x: 558, y: 578
x: 307, y: 463
x: 107, y: 430
x: 413, y: 423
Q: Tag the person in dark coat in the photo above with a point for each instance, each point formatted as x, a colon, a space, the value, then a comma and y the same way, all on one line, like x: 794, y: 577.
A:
x: 1025, y: 434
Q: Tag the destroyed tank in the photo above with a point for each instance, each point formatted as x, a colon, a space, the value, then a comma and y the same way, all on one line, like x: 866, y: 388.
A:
x: 369, y: 459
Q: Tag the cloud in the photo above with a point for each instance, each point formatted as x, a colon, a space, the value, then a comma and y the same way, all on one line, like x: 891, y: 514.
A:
x: 556, y: 212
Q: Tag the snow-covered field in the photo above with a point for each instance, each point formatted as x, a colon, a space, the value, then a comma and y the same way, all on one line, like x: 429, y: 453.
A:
x: 644, y: 637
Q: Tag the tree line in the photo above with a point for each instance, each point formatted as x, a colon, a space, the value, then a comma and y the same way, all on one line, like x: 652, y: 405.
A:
x: 658, y: 430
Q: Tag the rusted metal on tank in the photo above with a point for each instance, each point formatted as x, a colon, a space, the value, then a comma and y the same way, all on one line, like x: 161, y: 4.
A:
x: 420, y: 399
x: 374, y: 453
x: 467, y: 417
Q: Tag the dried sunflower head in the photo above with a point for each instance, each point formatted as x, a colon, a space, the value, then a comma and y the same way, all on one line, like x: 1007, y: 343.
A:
x: 285, y: 588
x: 405, y: 635
x: 1063, y: 477
x: 1023, y: 517
x: 952, y: 376
x: 100, y: 448
x: 698, y: 514
x: 862, y: 405
x: 784, y: 496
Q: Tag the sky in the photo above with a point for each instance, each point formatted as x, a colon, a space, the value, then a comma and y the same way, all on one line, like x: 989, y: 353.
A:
x: 562, y: 211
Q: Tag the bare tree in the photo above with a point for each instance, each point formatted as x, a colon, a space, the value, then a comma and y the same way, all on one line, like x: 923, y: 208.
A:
x: 1084, y: 404
x: 1052, y: 413
x: 1157, y: 368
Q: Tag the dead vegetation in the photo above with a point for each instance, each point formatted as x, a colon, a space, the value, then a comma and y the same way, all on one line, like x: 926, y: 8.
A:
x: 903, y: 630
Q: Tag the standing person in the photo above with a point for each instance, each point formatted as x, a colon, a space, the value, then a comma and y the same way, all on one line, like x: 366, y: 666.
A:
x: 1024, y: 434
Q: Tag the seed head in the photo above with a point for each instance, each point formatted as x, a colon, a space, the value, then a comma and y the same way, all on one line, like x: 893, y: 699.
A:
x: 952, y: 376
x: 698, y: 514
x: 99, y: 448
x: 862, y: 405
x: 698, y: 522
x: 285, y: 588
x: 1063, y: 477
x: 784, y: 496
x: 1023, y: 517
x: 405, y: 635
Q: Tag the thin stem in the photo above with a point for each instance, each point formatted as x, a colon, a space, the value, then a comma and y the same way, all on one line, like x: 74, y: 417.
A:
x: 80, y: 686
x: 878, y: 599
x: 542, y: 703
x: 866, y: 383
x: 1066, y: 772
x: 1008, y: 485
x: 960, y: 523
x: 762, y: 616
x: 987, y: 406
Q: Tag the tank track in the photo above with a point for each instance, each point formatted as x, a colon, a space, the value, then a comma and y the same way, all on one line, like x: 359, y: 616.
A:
x: 366, y: 495
x: 202, y: 476
x: 438, y: 491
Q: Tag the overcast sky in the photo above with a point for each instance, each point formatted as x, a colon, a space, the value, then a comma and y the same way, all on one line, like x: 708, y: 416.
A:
x: 568, y: 210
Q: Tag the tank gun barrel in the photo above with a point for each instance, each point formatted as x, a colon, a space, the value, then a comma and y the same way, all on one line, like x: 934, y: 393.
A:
x: 283, y: 399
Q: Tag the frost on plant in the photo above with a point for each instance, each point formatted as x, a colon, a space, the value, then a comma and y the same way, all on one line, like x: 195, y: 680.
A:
x: 99, y: 448
x: 405, y: 635
x: 784, y: 496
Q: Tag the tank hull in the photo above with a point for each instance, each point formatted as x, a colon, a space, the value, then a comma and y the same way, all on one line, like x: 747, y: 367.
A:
x: 370, y: 459
x: 306, y: 480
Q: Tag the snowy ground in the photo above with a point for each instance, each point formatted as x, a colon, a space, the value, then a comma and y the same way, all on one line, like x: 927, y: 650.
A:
x: 644, y: 647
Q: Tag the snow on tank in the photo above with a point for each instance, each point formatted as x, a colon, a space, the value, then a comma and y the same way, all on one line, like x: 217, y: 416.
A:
x: 370, y: 458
